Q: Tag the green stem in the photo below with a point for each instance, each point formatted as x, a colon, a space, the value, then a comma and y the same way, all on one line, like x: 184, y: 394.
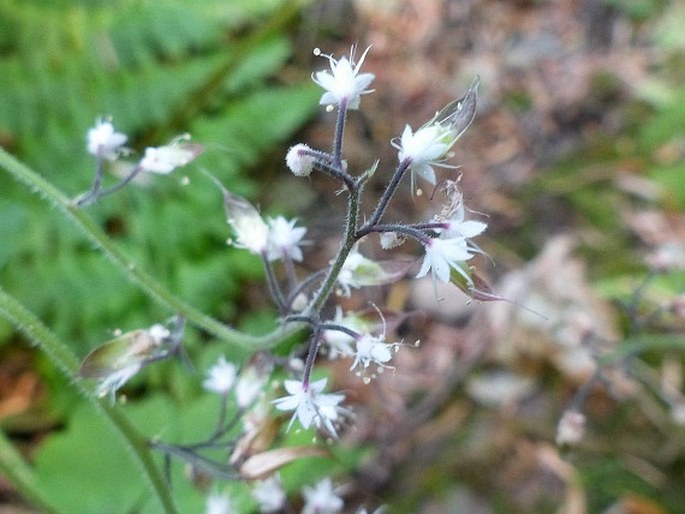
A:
x: 349, y: 239
x: 27, y: 323
x: 20, y: 474
x: 154, y: 289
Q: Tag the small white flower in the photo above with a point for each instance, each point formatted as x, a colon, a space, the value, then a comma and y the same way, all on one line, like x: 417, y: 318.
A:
x: 359, y: 271
x: 372, y: 349
x: 284, y: 239
x: 571, y: 428
x: 458, y: 226
x: 299, y: 161
x: 165, y: 159
x: 391, y: 240
x: 322, y: 498
x: 269, y: 494
x: 427, y: 147
x: 343, y: 82
x: 443, y: 255
x: 112, y: 382
x: 220, y: 377
x: 251, y: 232
x: 310, y: 405
x: 249, y: 386
x: 218, y: 503
x: 159, y: 333
x: 104, y: 142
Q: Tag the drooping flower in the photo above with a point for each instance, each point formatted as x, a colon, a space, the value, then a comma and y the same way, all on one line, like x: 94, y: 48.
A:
x: 442, y: 255
x: 322, y: 498
x: 359, y: 271
x: 251, y: 232
x: 299, y: 161
x: 115, y: 362
x: 269, y: 494
x: 430, y: 145
x: 220, y: 377
x: 104, y: 142
x: 284, y: 239
x: 311, y: 406
x: 165, y: 159
x: 343, y: 82
x: 459, y: 226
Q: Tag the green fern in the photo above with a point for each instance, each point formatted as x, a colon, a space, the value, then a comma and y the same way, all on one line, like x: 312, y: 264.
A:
x: 159, y: 68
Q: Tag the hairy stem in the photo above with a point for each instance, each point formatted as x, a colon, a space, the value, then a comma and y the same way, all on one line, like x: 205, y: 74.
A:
x: 146, y: 282
x: 67, y: 363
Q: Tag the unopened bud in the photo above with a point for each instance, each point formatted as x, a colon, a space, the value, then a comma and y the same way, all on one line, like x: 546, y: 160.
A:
x: 299, y: 161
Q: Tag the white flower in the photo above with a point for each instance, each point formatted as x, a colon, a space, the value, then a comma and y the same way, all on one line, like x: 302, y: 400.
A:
x: 571, y: 428
x: 269, y: 494
x: 104, y: 142
x: 220, y: 377
x: 322, y: 498
x: 359, y: 271
x: 249, y: 386
x: 165, y: 159
x: 442, y: 255
x: 372, y: 349
x: 457, y: 226
x: 218, y: 503
x: 112, y: 382
x: 284, y: 239
x: 391, y: 240
x: 310, y: 405
x: 343, y: 82
x: 299, y: 161
x: 425, y: 148
x: 249, y: 227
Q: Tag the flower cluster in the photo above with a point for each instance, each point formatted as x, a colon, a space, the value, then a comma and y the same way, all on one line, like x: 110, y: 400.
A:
x: 107, y: 145
x: 246, y: 424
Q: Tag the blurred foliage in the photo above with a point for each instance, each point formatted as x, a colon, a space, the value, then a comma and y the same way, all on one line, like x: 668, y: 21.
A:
x: 158, y: 68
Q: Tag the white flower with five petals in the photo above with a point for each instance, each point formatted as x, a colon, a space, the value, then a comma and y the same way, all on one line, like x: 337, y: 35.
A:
x: 311, y: 406
x: 284, y: 239
x: 343, y: 83
x: 442, y: 255
x: 322, y: 498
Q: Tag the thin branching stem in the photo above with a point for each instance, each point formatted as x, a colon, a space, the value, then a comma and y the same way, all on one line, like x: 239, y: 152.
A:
x: 132, y: 271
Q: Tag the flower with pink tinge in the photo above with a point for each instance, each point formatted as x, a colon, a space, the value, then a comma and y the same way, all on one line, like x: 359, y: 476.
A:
x: 299, y: 160
x: 343, y: 83
x: 442, y: 255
